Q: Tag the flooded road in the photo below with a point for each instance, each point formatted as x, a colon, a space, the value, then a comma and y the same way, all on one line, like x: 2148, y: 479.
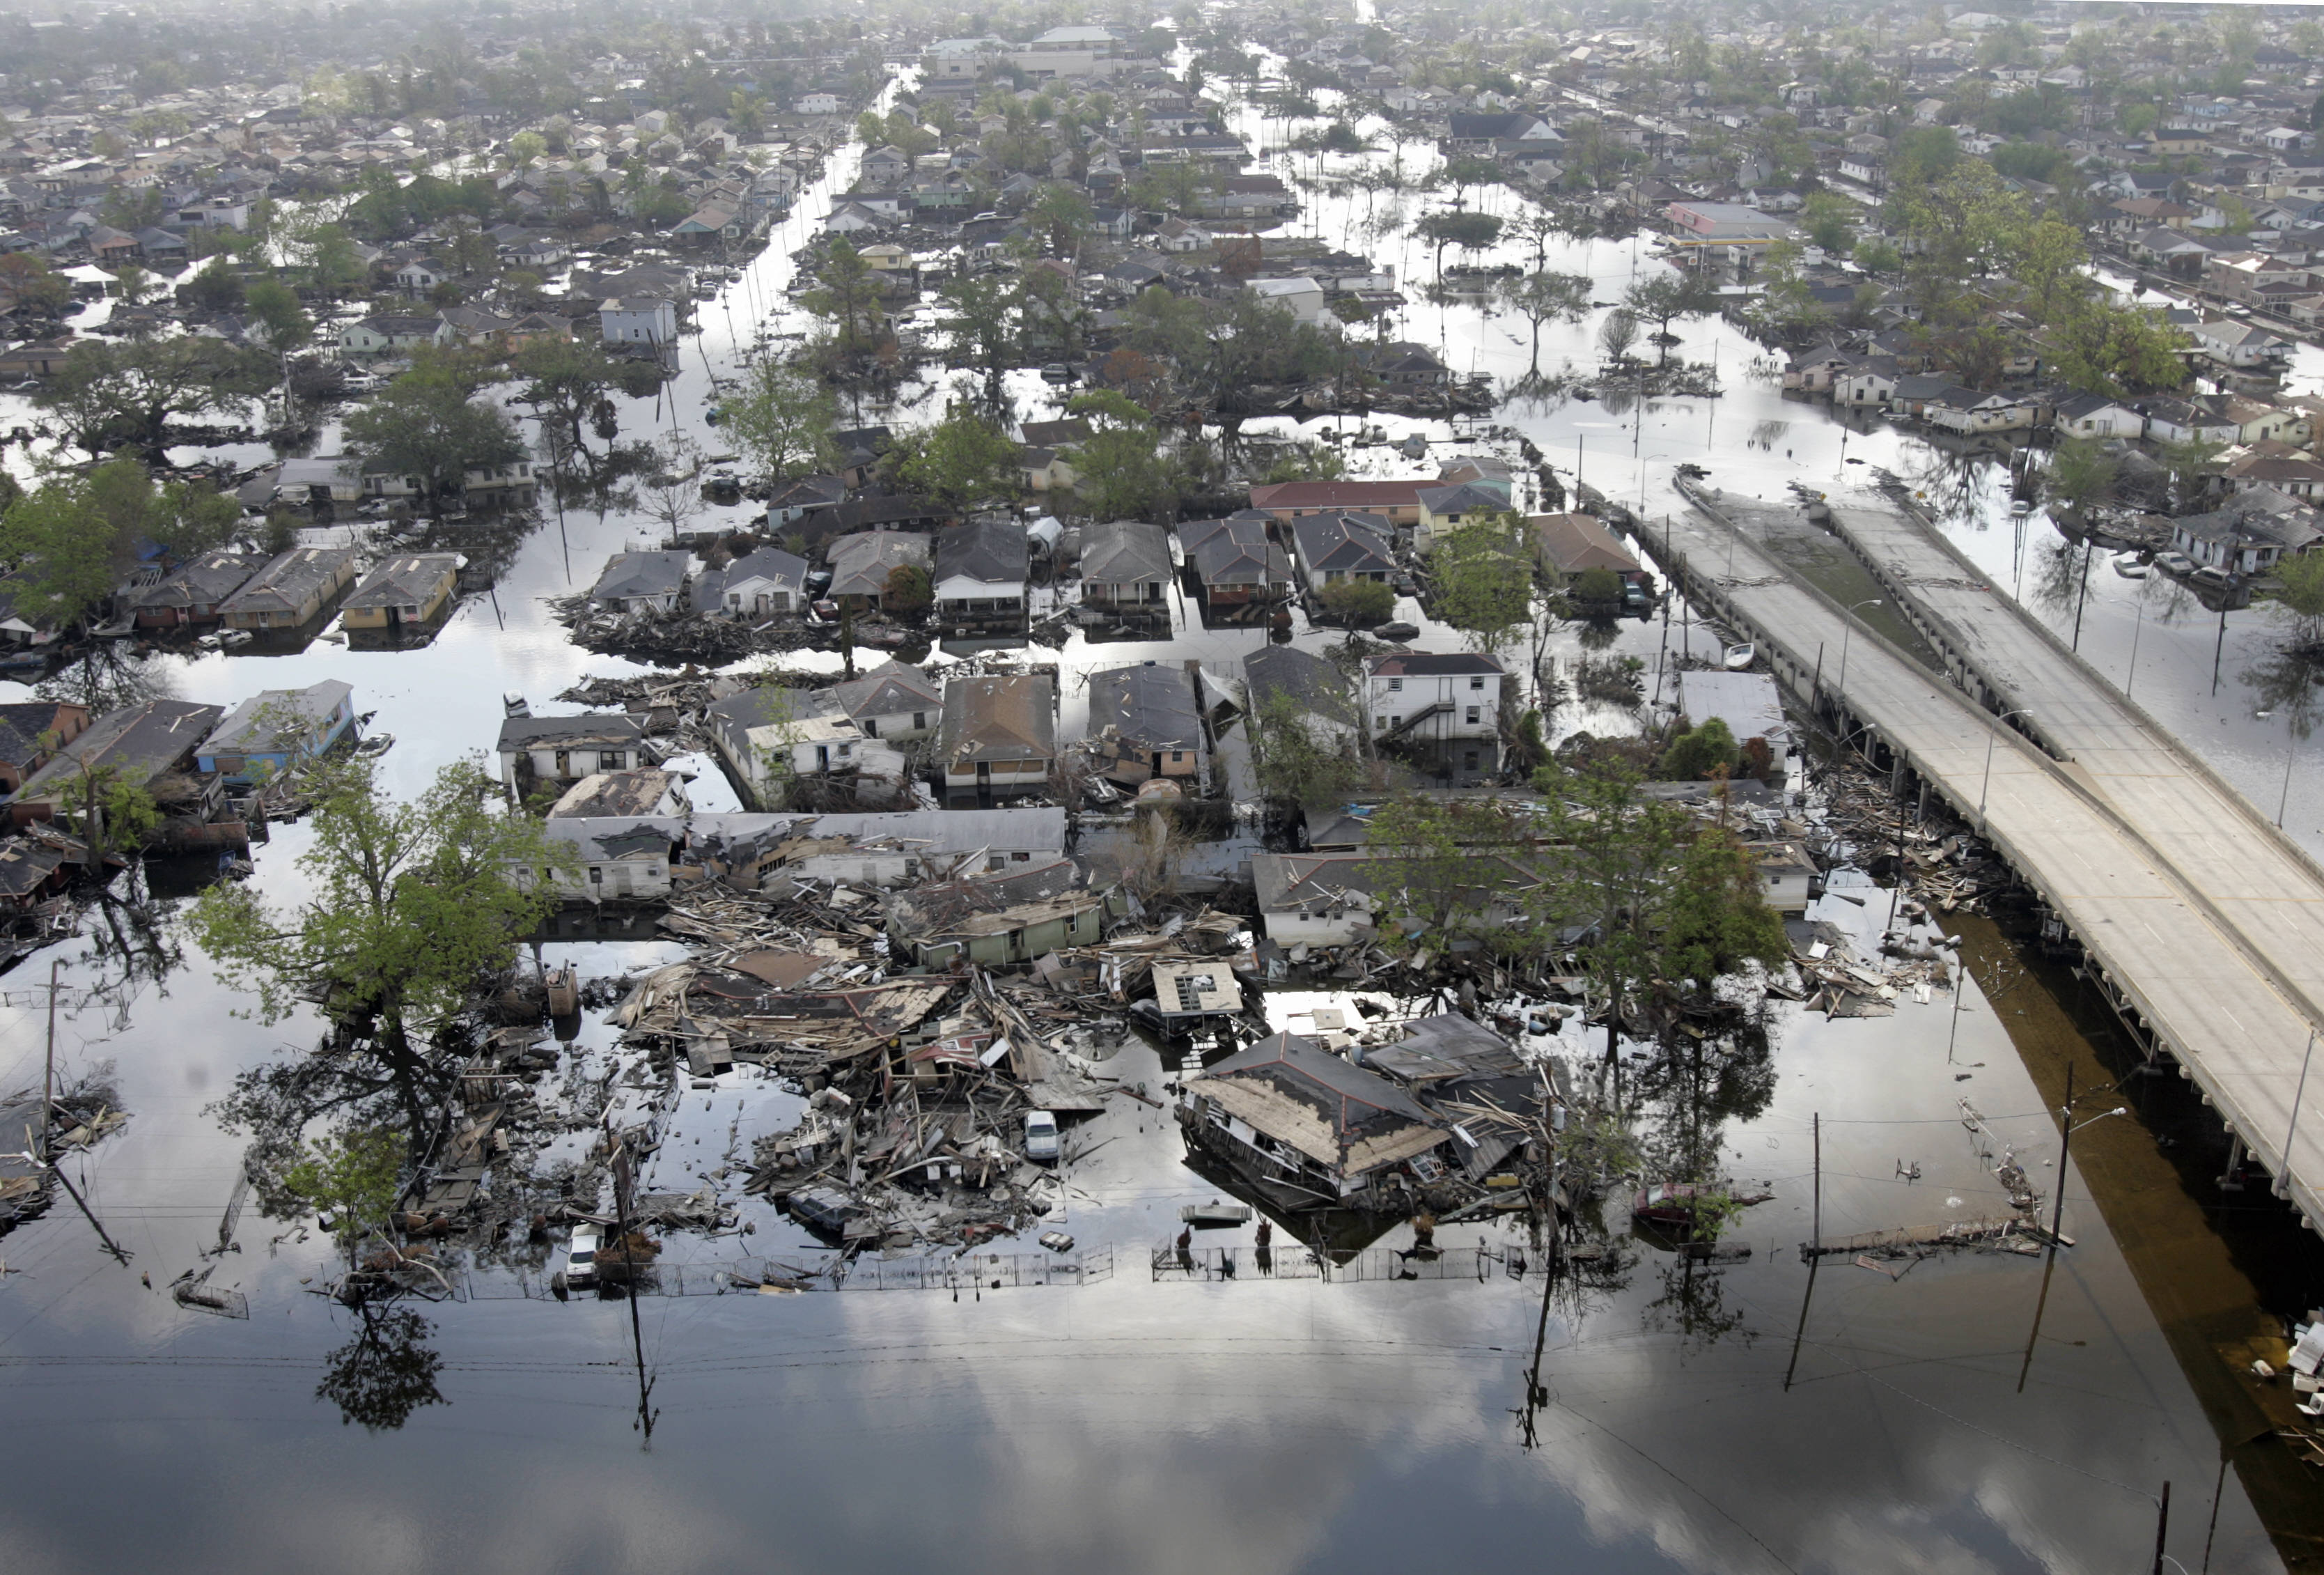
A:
x: 1690, y: 1418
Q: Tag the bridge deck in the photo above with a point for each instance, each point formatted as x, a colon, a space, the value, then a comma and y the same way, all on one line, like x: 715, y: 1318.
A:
x: 2206, y: 920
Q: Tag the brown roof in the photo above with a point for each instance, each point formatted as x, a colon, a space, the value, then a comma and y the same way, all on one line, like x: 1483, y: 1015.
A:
x: 1577, y: 544
x: 1340, y: 495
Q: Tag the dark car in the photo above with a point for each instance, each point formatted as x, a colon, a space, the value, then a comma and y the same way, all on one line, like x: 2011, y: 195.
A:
x: 824, y: 1210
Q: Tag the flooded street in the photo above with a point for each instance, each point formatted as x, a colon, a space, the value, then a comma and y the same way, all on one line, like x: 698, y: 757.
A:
x: 1980, y: 1411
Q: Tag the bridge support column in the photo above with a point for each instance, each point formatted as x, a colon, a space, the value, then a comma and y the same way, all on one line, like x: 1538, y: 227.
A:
x: 2230, y: 1180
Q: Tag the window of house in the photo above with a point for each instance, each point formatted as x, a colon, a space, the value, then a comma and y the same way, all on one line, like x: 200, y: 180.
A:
x: 1382, y: 724
x: 611, y: 760
x: 1395, y: 686
x: 1472, y: 716
x: 1476, y: 684
x: 919, y: 721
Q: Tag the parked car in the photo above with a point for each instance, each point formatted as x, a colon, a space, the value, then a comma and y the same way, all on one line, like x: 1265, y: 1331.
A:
x: 581, y: 1256
x: 2177, y: 563
x: 824, y: 1210
x: 2212, y: 577
x: 1043, y: 1146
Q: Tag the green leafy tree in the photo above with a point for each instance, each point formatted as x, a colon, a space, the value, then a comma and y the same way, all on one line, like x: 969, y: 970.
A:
x: 962, y: 461
x: 2116, y: 351
x: 846, y: 296
x: 1124, y: 471
x: 354, y: 1178
x: 1357, y: 603
x: 274, y: 307
x: 1297, y: 754
x: 2081, y: 472
x: 218, y: 286
x: 73, y: 538
x: 783, y: 419
x: 1064, y: 215
x: 1483, y: 580
x: 112, y: 810
x: 1702, y: 753
x: 1610, y: 860
x: 1542, y: 297
x: 980, y: 316
x: 1715, y: 916
x: 406, y: 908
x: 2299, y: 595
x: 1830, y: 221
x: 1662, y: 299
x: 1471, y: 232
x: 108, y: 396
x: 909, y: 592
x: 28, y: 284
x: 426, y: 425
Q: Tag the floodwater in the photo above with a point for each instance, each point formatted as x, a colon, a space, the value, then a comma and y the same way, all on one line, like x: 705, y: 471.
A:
x: 1968, y: 1415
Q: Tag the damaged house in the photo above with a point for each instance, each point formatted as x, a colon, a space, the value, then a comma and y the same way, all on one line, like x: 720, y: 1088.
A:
x: 997, y: 920
x: 1147, y: 722
x: 999, y: 733
x: 1309, y: 1129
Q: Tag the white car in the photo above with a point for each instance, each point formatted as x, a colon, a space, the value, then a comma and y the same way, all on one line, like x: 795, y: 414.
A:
x: 2177, y: 563
x: 581, y: 1257
x: 1042, y: 1143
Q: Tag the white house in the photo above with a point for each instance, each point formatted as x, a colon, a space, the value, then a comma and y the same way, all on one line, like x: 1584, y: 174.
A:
x: 388, y: 335
x: 768, y: 735
x: 638, y: 319
x: 2092, y: 415
x: 819, y: 104
x: 1302, y: 298
x: 421, y: 275
x: 1748, y: 702
x: 1422, y: 694
x: 2237, y: 344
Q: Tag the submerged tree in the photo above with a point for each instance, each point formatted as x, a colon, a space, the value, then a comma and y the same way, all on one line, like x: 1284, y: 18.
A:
x: 782, y: 421
x: 386, y: 1372
x: 1298, y: 754
x: 408, y: 907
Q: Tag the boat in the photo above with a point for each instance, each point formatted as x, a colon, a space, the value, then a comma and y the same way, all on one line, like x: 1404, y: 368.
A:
x: 2130, y: 565
x: 375, y: 744
x: 1215, y: 1216
x: 1738, y: 657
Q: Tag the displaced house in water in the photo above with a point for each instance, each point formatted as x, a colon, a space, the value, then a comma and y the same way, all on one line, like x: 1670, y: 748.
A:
x: 769, y: 734
x: 881, y: 849
x: 642, y: 581
x: 765, y: 582
x: 999, y: 733
x: 1147, y: 722
x: 1309, y: 1129
x: 993, y: 921
x: 1330, y: 899
x: 278, y: 730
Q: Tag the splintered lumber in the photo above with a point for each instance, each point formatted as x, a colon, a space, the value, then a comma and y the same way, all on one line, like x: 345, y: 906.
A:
x: 1950, y: 1233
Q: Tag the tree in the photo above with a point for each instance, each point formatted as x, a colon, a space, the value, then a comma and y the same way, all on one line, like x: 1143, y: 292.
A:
x: 1704, y: 752
x: 2116, y: 351
x: 526, y: 146
x: 982, y: 312
x: 1124, y: 471
x: 2081, y: 472
x: 1618, y: 333
x: 407, y: 908
x: 425, y: 425
x: 1483, y: 580
x: 673, y: 496
x: 274, y: 306
x: 1358, y: 603
x: 1610, y: 858
x: 1539, y: 297
x: 133, y: 283
x: 1830, y: 221
x: 107, y: 395
x: 1715, y: 916
x: 1296, y: 755
x: 909, y: 592
x: 783, y: 421
x: 114, y: 811
x: 386, y: 1373
x: 1065, y: 214
x: 73, y: 538
x: 1433, y: 878
x: 2191, y: 464
x: 962, y: 461
x: 847, y: 296
x: 354, y: 1178
x: 216, y: 287
x: 1471, y: 232
x: 1661, y: 299
x: 28, y: 284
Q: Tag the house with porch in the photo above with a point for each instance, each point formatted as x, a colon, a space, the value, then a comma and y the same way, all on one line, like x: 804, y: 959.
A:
x: 999, y: 735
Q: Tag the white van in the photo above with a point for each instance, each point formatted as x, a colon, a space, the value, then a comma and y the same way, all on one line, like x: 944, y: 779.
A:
x: 1042, y: 1143
x: 581, y: 1257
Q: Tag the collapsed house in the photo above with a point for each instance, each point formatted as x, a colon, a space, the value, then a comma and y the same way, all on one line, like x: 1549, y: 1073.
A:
x: 1305, y: 1128
x: 997, y: 920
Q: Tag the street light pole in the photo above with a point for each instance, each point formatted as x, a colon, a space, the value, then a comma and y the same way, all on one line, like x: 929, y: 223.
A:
x: 2283, y: 1179
x: 1992, y: 731
x: 1847, y: 627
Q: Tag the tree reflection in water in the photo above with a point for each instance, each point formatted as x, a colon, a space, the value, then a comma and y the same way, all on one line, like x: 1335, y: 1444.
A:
x: 111, y: 674
x: 386, y: 1372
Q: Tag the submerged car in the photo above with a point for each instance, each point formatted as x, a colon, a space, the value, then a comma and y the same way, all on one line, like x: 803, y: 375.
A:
x: 1043, y: 1145
x: 581, y: 1256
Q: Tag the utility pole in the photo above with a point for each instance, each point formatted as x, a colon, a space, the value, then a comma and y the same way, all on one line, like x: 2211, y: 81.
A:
x: 49, y: 1073
x: 622, y: 1180
x: 2162, y: 1526
x: 2090, y: 544
x: 1815, y: 1258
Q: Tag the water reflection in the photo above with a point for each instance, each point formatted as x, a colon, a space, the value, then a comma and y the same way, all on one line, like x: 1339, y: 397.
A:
x: 385, y: 1371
